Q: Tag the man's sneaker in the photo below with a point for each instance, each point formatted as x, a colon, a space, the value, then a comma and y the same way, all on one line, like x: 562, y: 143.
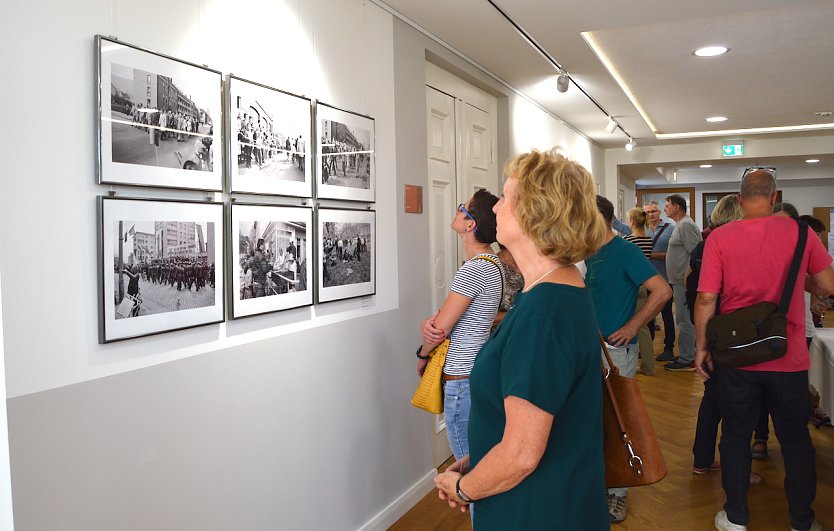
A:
x: 698, y: 471
x: 723, y: 524
x: 814, y: 527
x: 680, y: 366
x: 667, y: 355
x: 617, y: 508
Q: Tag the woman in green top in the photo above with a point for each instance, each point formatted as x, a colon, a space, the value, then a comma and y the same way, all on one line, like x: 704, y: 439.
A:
x: 535, y: 428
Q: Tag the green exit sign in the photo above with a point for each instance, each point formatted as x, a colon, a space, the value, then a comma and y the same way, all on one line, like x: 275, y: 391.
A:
x: 733, y: 150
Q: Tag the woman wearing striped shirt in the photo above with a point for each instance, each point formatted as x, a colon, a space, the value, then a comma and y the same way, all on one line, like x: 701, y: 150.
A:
x: 638, y: 221
x: 467, y: 313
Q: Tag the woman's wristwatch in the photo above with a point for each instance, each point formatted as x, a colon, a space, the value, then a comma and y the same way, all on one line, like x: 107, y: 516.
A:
x: 419, y: 350
x: 460, y: 494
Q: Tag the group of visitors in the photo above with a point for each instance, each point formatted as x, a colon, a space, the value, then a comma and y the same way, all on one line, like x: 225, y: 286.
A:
x: 522, y: 377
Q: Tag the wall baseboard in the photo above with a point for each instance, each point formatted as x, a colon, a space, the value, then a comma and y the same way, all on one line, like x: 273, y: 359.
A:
x: 397, y: 508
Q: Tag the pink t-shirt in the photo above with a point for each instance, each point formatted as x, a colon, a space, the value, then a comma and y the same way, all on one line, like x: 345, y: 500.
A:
x: 747, y: 262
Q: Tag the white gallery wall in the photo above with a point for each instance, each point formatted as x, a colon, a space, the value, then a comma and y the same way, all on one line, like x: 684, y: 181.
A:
x: 293, y: 420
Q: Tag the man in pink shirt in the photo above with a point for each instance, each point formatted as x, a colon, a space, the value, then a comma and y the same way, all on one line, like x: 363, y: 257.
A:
x: 746, y: 262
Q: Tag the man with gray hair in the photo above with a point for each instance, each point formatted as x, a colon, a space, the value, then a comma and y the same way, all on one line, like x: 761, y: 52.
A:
x: 747, y: 262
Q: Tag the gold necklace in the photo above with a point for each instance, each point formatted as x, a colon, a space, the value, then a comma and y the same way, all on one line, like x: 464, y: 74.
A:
x: 528, y: 288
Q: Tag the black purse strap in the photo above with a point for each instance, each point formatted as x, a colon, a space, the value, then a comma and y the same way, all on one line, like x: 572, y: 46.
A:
x: 657, y: 234
x: 793, y: 272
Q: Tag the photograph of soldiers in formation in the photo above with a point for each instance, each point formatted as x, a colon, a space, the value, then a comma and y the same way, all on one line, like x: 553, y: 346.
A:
x: 162, y: 266
x: 345, y: 155
x: 346, y: 257
x: 272, y: 258
x: 160, y: 121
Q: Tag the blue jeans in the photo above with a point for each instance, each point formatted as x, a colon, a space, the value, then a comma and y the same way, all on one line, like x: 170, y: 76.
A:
x: 686, y: 330
x: 456, y: 402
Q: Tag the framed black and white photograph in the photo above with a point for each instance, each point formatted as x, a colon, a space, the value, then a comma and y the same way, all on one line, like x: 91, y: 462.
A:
x: 269, y: 140
x: 159, y: 119
x: 161, y: 266
x: 345, y: 154
x: 346, y: 254
x: 271, y: 258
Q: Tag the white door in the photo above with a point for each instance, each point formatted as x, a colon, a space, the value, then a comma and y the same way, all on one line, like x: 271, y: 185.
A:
x: 440, y: 128
x: 477, y: 168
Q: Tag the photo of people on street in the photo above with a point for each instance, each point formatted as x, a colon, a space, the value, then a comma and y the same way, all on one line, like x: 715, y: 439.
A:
x: 159, y: 121
x: 162, y: 266
x: 272, y: 258
x: 347, y: 253
x: 345, y: 155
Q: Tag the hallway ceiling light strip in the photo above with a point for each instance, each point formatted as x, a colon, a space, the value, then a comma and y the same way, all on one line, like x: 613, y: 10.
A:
x: 750, y: 131
x: 549, y: 58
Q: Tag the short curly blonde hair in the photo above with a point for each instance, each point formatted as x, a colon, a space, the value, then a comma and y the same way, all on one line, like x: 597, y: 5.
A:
x: 556, y: 205
x: 726, y: 210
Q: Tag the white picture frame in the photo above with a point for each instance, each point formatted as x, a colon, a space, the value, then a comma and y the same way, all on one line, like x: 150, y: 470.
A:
x: 175, y: 250
x: 345, y: 148
x: 346, y: 267
x: 159, y: 119
x: 286, y: 273
x: 269, y: 140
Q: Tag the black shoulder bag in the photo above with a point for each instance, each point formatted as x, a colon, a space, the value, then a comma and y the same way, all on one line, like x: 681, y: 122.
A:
x: 758, y: 333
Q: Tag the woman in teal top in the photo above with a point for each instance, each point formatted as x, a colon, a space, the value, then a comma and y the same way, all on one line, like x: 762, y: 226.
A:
x: 535, y: 432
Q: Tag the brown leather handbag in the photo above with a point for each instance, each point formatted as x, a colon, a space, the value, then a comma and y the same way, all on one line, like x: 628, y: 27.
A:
x: 632, y: 452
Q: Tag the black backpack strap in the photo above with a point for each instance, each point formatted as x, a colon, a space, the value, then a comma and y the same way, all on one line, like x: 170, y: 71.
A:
x: 793, y: 272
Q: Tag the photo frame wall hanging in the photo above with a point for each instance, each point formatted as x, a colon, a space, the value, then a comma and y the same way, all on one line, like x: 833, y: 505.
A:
x: 271, y: 254
x: 269, y: 140
x: 345, y: 155
x: 161, y: 266
x: 346, y: 251
x: 159, y: 119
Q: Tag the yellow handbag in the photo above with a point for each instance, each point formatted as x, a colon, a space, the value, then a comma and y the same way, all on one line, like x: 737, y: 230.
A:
x: 429, y: 393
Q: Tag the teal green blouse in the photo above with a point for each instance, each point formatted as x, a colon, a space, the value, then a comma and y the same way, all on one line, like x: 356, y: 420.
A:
x: 547, y: 352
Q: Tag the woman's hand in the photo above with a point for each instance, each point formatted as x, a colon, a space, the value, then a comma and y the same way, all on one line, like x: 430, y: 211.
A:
x: 431, y: 334
x: 421, y: 367
x: 446, y: 484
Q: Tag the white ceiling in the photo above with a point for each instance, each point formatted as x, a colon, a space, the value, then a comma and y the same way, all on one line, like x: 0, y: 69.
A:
x: 779, y: 71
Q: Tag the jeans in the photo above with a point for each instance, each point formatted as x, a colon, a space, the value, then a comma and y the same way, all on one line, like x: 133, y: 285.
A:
x: 686, y: 330
x: 740, y: 395
x: 625, y: 359
x: 456, y: 402
x: 668, y: 326
x: 706, y: 430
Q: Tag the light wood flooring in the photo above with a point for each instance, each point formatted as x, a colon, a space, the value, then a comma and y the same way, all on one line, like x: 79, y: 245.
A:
x: 682, y: 501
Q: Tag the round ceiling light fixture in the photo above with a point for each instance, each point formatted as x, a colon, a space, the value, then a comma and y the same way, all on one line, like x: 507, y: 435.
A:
x: 711, y: 51
x: 631, y: 144
x: 562, y: 82
x: 706, y: 165
x: 713, y: 119
x: 812, y: 161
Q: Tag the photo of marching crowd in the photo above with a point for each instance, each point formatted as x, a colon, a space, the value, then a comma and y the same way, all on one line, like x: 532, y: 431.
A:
x: 346, y: 258
x: 155, y: 121
x: 345, y: 155
x: 272, y: 259
x: 162, y: 266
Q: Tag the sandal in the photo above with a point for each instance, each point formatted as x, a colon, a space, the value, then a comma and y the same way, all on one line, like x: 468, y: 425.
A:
x: 759, y: 450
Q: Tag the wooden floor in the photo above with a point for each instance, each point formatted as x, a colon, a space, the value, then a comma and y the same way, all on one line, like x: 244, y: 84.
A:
x: 681, y: 501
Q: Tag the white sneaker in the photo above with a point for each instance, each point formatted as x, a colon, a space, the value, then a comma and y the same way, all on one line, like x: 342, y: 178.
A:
x: 814, y: 527
x: 723, y: 524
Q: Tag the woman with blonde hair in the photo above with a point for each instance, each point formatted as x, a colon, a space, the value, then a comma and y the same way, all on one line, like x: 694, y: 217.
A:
x: 535, y: 428
x: 637, y: 222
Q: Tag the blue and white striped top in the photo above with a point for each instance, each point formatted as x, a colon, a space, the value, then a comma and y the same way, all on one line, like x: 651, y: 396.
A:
x: 480, y: 280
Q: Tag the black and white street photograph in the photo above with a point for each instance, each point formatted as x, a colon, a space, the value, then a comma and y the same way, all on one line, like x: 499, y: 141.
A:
x: 346, y: 253
x: 160, y: 120
x: 346, y: 154
x: 160, y: 265
x: 272, y: 258
x: 270, y: 140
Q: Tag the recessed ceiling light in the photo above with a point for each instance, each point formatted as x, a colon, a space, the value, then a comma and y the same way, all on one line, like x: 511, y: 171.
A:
x: 717, y: 119
x: 812, y: 161
x: 706, y: 165
x: 711, y: 51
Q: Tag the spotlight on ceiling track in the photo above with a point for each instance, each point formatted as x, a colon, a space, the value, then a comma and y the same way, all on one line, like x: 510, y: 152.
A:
x: 562, y: 81
x: 631, y: 144
x: 611, y: 126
